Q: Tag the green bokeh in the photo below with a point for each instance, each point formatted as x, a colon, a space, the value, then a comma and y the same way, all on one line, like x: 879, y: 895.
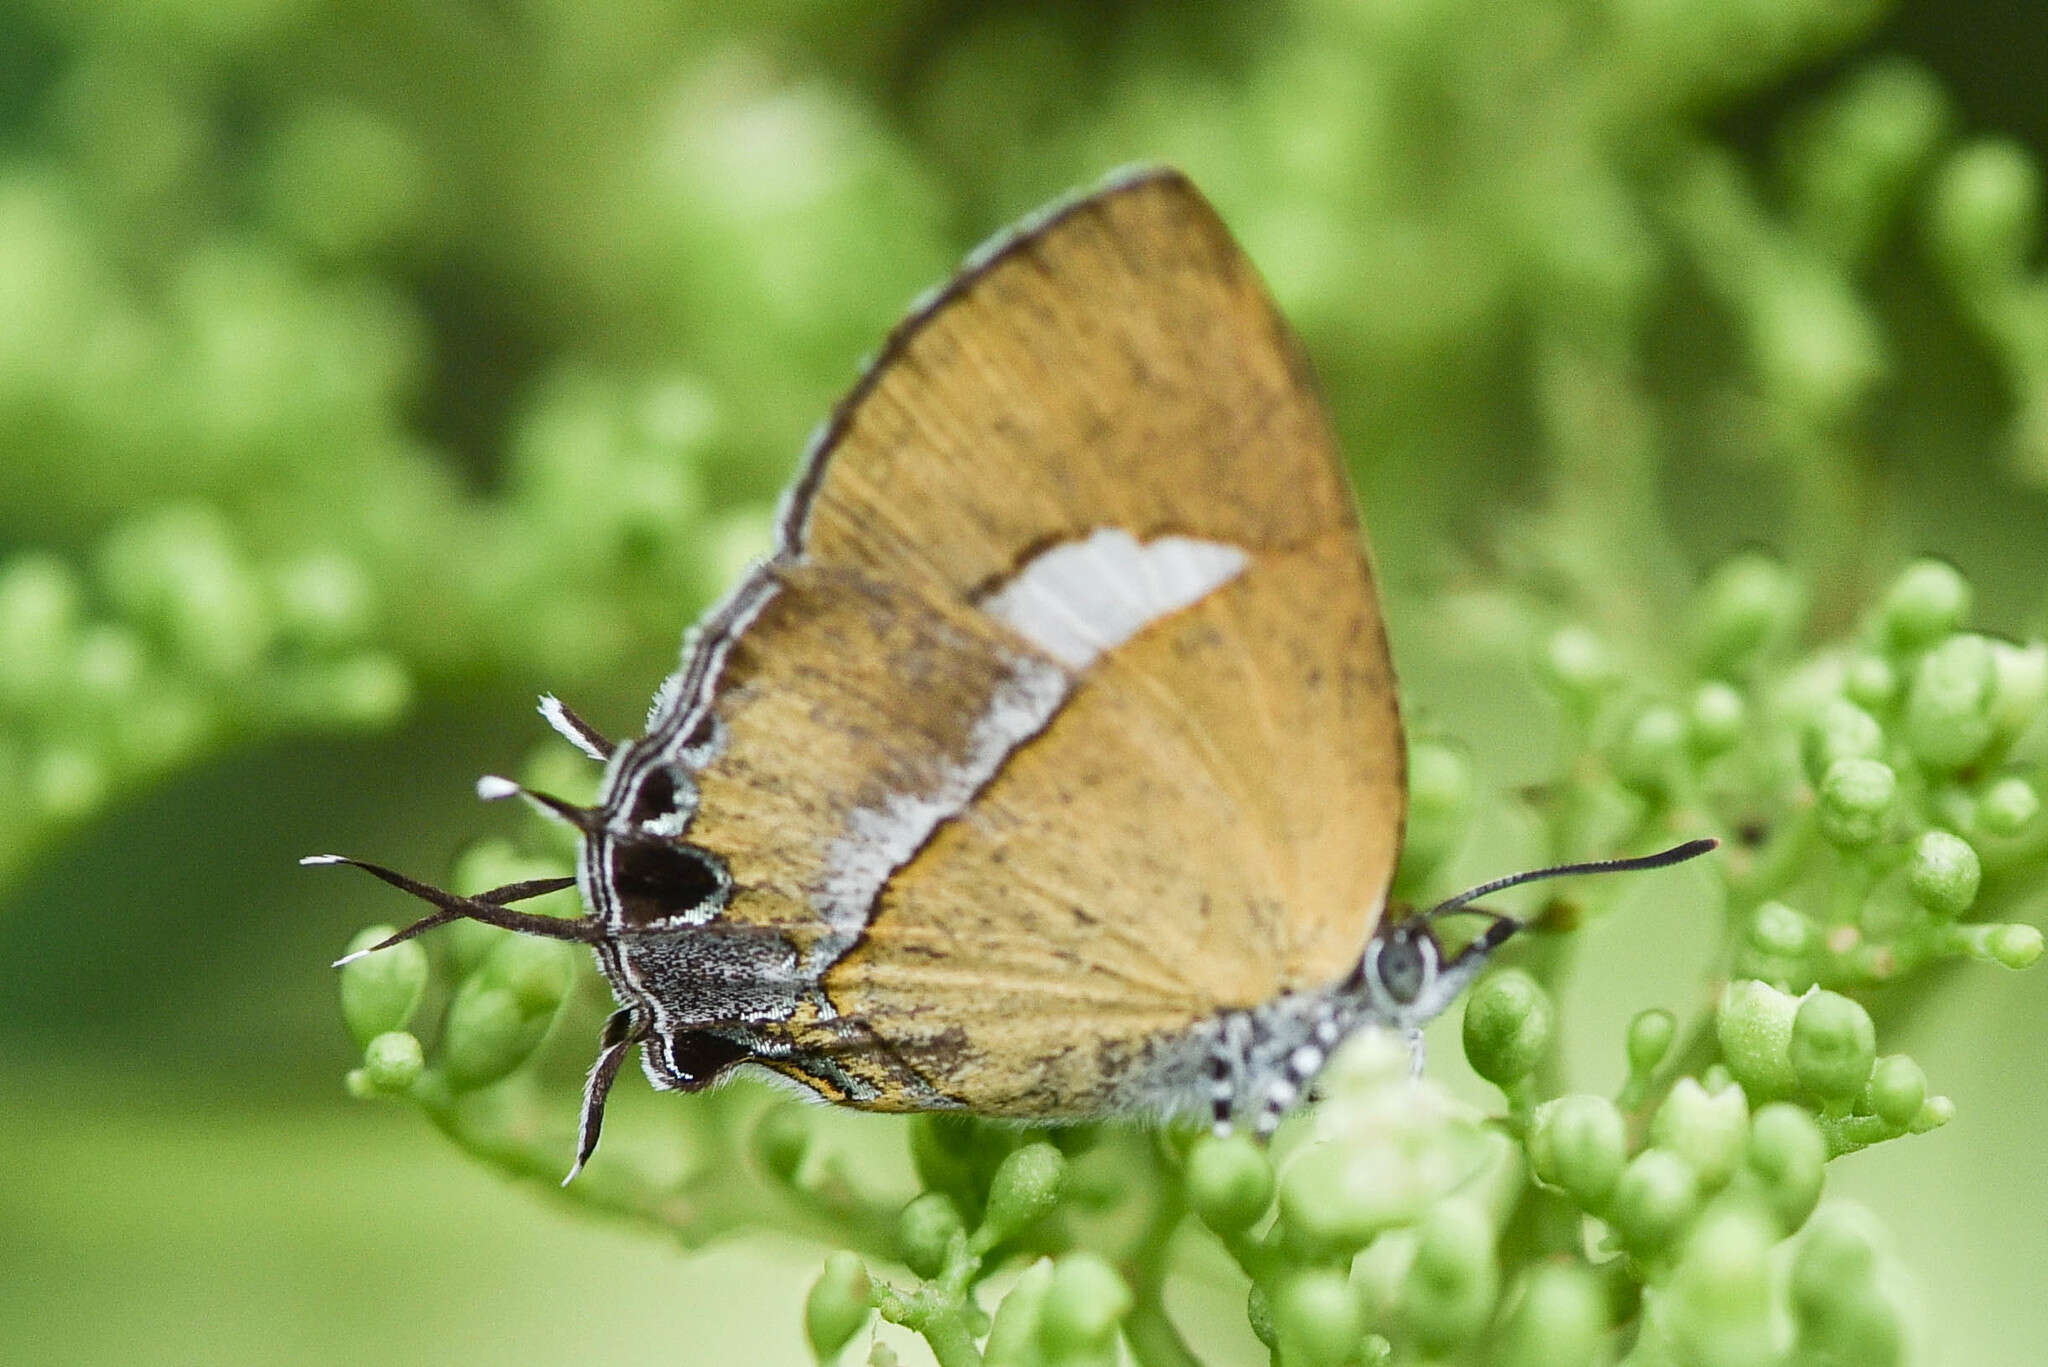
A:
x: 366, y: 369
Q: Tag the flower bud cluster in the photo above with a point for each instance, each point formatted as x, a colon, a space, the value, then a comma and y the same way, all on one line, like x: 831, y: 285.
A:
x: 495, y: 995
x: 1876, y: 796
x: 176, y: 639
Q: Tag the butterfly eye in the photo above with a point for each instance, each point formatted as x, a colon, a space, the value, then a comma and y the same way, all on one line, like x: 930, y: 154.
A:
x: 1402, y: 968
x: 660, y: 880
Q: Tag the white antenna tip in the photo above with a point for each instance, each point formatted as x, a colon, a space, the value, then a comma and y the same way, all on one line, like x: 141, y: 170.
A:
x: 492, y: 788
x: 345, y: 960
x: 310, y: 860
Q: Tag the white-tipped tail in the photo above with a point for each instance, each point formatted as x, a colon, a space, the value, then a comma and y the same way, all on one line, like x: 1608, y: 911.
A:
x: 566, y: 726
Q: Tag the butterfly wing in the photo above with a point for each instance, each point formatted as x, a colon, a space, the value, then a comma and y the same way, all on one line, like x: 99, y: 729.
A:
x: 1062, y: 718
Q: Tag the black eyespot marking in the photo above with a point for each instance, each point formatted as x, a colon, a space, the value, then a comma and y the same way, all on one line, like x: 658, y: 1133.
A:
x: 1401, y: 968
x: 697, y: 1057
x: 655, y: 880
x: 703, y: 733
x: 655, y: 798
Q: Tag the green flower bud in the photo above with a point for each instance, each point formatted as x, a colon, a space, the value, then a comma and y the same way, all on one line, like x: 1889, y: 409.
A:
x: 1935, y: 1112
x: 1843, y: 1314
x: 1871, y: 683
x: 1867, y: 1329
x: 1716, y: 719
x: 1439, y: 803
x: 379, y: 992
x: 1833, y: 1046
x: 68, y: 782
x: 1508, y: 1027
x: 957, y: 1154
x: 323, y: 599
x: 1649, y: 1039
x: 2009, y: 946
x: 340, y: 181
x: 1984, y: 213
x: 1085, y: 1303
x: 1948, y: 721
x: 41, y: 603
x: 1657, y: 1194
x: 1816, y: 346
x: 110, y: 667
x: 927, y: 1231
x: 1578, y: 665
x: 1928, y: 600
x: 1855, y: 798
x: 1013, y: 1337
x: 1229, y: 1182
x: 1710, y: 1130
x: 1789, y: 1155
x: 782, y: 1140
x: 1898, y: 1089
x: 393, y: 1061
x: 1334, y: 1199
x: 1780, y: 932
x: 1653, y: 749
x: 502, y: 1011
x: 1317, y: 1319
x: 489, y: 864
x: 1579, y: 1143
x: 1867, y: 143
x: 2019, y: 685
x: 1754, y: 1027
x: 1748, y: 602
x: 839, y: 1304
x: 1943, y: 874
x: 1258, y: 1312
x: 1720, y: 1309
x: 177, y: 568
x: 1839, y: 730
x: 1561, y: 1320
x: 1453, y: 1282
x: 2008, y: 807
x: 1024, y: 1190
x: 369, y: 689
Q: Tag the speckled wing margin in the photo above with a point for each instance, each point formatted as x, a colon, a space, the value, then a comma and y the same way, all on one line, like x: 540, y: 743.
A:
x: 976, y: 854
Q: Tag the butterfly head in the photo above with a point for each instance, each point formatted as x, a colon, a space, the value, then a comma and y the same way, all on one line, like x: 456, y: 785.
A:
x: 1264, y: 1060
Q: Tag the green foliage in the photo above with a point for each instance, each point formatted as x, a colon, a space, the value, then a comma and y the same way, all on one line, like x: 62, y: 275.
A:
x: 343, y: 384
x: 1388, y: 1223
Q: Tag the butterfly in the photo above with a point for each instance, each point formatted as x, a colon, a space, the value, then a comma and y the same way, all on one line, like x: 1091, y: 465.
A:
x: 1050, y: 765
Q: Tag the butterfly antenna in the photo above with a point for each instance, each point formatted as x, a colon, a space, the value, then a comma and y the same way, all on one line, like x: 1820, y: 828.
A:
x: 1677, y: 854
x: 489, y: 907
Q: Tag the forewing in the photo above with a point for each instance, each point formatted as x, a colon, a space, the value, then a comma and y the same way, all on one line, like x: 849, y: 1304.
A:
x: 1012, y: 865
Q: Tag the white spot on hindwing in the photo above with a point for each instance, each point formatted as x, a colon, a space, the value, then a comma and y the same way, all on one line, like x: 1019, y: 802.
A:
x: 1083, y: 598
x: 880, y: 839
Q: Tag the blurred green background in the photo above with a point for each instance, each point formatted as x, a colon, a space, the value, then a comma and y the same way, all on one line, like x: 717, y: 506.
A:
x: 367, y: 368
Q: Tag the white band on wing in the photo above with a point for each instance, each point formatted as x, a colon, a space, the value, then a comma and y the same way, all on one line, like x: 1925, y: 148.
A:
x: 1082, y: 598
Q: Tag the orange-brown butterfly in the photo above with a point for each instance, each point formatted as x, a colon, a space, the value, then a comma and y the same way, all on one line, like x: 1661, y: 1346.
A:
x: 1050, y: 765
